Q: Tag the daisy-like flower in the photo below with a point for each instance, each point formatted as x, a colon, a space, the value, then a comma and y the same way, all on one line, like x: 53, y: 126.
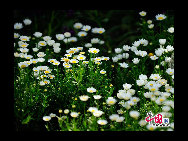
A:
x: 56, y: 63
x: 105, y: 58
x: 28, y: 56
x: 50, y: 42
x: 149, y: 21
x: 91, y: 90
x: 78, y: 25
x: 154, y: 57
x: 60, y: 36
x: 81, y: 57
x: 67, y: 34
x: 88, y: 45
x: 27, y: 21
x: 46, y: 118
x: 35, y: 49
x: 111, y: 101
x: 74, y: 61
x: 171, y: 30
x: 127, y: 86
x: 98, y: 113
x: 66, y: 111
x: 23, y: 65
x: 142, y: 123
x: 74, y: 114
x: 41, y: 54
x: 136, y: 60
x: 170, y: 48
x: 46, y: 38
x: 102, y: 71
x: 24, y: 50
x: 93, y: 50
x: 18, y: 26
x: 120, y: 119
x: 102, y: 122
x: 134, y: 114
x: 46, y: 81
x: 52, y: 115
x: 80, y: 48
x: 95, y: 40
x: 100, y: 30
x: 118, y: 50
x: 126, y: 47
x: 84, y: 97
x: 42, y: 43
x: 162, y: 41
x: 113, y: 117
x: 160, y: 17
x: 92, y: 109
x: 22, y: 44
x: 170, y: 71
x: 150, y: 127
x: 37, y: 34
x: 24, y: 38
x: 155, y: 76
x: 143, y: 42
x: 16, y: 35
x: 82, y: 33
x: 124, y: 65
x: 142, y: 13
x: 86, y: 28
x: 97, y: 96
x: 16, y: 54
x: 151, y: 26
x: 72, y: 39
x: 140, y: 82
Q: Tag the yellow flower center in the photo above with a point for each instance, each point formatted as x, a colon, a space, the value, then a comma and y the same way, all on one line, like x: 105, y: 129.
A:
x: 23, y: 45
x: 82, y: 34
x: 23, y: 66
x: 161, y: 99
x: 94, y: 51
x: 81, y: 57
x: 100, y: 31
x: 160, y: 18
x: 153, y: 89
x: 74, y: 62
x: 42, y: 44
x: 47, y: 72
x: 72, y: 51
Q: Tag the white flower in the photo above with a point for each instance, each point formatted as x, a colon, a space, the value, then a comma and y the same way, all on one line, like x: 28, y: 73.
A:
x: 136, y: 43
x: 37, y: 34
x: 140, y: 82
x: 46, y: 38
x: 149, y: 21
x: 142, y: 123
x: 136, y: 60
x: 118, y: 50
x: 93, y: 50
x: 98, y: 113
x: 18, y: 26
x: 24, y: 38
x: 16, y: 35
x: 160, y: 17
x: 102, y: 122
x: 95, y: 40
x: 102, y: 71
x: 170, y: 71
x: 91, y: 90
x: 154, y: 57
x: 171, y: 30
x: 166, y: 108
x: 78, y: 25
x: 84, y: 97
x: 60, y: 36
x: 127, y: 86
x: 124, y: 65
x: 71, y: 39
x: 41, y: 54
x: 167, y: 59
x: 27, y: 21
x: 67, y: 34
x: 86, y: 28
x: 82, y: 33
x: 92, y: 109
x: 150, y: 127
x: 50, y: 42
x: 88, y: 45
x: 74, y: 114
x: 81, y: 57
x: 170, y: 48
x: 151, y: 26
x: 42, y: 43
x: 52, y: 115
x: 120, y: 119
x: 111, y: 101
x: 46, y: 118
x: 162, y: 41
x: 134, y: 114
x: 113, y: 117
x: 97, y: 96
x: 142, y: 13
x: 66, y: 111
x: 126, y: 47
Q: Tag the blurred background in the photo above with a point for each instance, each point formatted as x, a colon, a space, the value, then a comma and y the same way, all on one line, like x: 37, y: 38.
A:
x: 122, y: 26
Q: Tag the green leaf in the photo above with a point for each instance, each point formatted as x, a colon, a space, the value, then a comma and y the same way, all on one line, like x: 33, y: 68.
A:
x: 26, y: 121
